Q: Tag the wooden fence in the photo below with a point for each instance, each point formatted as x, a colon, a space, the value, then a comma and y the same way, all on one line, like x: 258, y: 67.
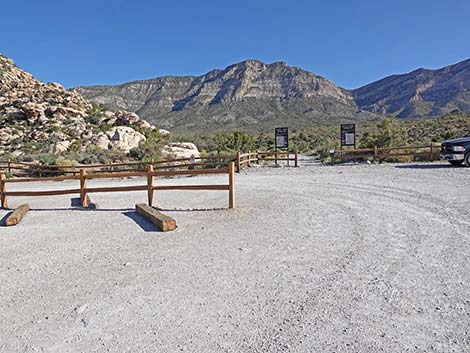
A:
x: 83, y: 176
x: 204, y: 162
x: 430, y: 152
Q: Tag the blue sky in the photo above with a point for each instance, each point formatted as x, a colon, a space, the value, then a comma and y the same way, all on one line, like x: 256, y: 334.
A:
x: 350, y: 42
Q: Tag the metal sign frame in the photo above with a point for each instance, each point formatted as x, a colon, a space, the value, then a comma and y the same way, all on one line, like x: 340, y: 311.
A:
x: 348, y: 135
x: 281, y: 137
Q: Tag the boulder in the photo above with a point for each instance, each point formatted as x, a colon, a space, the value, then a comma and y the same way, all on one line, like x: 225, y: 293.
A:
x: 163, y: 132
x: 57, y: 86
x: 5, y: 135
x: 61, y: 146
x: 180, y: 150
x: 34, y: 110
x: 126, y: 118
x: 102, y: 141
x: 124, y: 138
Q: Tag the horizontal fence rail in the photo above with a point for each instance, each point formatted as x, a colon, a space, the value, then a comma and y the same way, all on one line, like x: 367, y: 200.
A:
x: 150, y: 173
x: 430, y: 152
x: 203, y: 162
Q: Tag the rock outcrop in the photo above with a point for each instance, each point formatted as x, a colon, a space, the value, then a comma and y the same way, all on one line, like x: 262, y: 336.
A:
x: 37, y: 117
x: 121, y: 138
x: 181, y: 150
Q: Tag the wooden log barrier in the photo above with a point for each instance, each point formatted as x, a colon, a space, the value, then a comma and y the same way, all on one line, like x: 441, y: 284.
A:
x: 163, y: 222
x: 17, y: 215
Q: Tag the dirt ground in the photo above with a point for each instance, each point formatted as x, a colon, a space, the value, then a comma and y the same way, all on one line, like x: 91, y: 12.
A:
x: 352, y: 258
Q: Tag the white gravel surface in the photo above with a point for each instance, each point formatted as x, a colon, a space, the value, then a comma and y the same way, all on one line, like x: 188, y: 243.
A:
x: 362, y: 258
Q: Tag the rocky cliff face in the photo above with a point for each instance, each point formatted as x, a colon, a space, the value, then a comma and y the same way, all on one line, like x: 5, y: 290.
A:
x: 254, y: 95
x: 419, y: 93
x: 245, y: 94
x: 37, y: 117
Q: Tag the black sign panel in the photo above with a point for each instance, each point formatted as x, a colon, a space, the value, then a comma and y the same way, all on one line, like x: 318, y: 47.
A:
x: 281, y: 137
x: 348, y: 135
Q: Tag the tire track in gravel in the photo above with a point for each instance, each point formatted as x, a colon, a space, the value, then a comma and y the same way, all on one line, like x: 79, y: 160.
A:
x: 434, y: 204
x: 285, y: 335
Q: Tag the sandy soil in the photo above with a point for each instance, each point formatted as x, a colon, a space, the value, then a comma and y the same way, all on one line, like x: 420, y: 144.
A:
x: 358, y: 258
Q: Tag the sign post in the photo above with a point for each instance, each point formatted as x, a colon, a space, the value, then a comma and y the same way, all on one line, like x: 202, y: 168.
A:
x: 281, y: 140
x: 348, y: 135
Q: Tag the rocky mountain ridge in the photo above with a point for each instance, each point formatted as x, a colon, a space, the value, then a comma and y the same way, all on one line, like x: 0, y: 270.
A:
x: 419, y: 93
x: 255, y: 95
x: 244, y: 94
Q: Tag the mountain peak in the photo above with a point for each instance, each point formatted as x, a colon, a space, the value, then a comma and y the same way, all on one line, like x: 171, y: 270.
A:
x: 422, y: 92
x: 248, y: 90
x: 253, y: 92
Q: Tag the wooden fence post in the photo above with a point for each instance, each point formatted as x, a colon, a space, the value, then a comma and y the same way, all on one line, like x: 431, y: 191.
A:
x: 431, y: 152
x: 376, y: 153
x: 238, y: 162
x: 249, y: 159
x: 257, y: 157
x: 40, y: 169
x: 83, y: 195
x: 150, y: 184
x: 9, y: 166
x: 296, y: 158
x: 3, y: 189
x: 231, y: 182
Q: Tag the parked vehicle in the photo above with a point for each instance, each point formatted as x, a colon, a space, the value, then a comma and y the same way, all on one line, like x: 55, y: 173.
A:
x: 456, y: 151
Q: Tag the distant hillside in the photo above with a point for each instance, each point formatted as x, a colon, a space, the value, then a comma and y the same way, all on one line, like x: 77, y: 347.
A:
x: 249, y: 94
x: 419, y: 93
x: 254, y: 95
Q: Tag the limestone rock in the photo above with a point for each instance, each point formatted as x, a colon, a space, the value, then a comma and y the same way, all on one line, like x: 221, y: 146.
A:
x: 163, y: 132
x: 123, y: 138
x: 181, y: 150
x: 5, y: 136
x: 102, y: 141
x: 53, y: 117
x: 61, y: 146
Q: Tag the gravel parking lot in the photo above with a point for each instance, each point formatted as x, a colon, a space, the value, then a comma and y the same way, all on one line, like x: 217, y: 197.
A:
x: 351, y: 258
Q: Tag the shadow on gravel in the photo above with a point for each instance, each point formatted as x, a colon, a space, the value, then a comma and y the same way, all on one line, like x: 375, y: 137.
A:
x: 146, y: 225
x: 81, y: 209
x: 428, y: 166
x: 190, y: 209
x: 4, y: 219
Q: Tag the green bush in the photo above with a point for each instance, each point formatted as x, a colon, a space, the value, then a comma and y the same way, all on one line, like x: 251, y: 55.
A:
x: 151, y: 148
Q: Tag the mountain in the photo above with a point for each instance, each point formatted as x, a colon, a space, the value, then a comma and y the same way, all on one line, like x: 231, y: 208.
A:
x: 249, y: 94
x: 254, y: 95
x: 419, y: 93
x: 37, y: 118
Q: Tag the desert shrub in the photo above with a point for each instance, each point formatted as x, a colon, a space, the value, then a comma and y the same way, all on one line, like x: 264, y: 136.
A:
x: 151, y: 148
x: 237, y: 141
x: 388, y: 133
x: 95, y: 154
